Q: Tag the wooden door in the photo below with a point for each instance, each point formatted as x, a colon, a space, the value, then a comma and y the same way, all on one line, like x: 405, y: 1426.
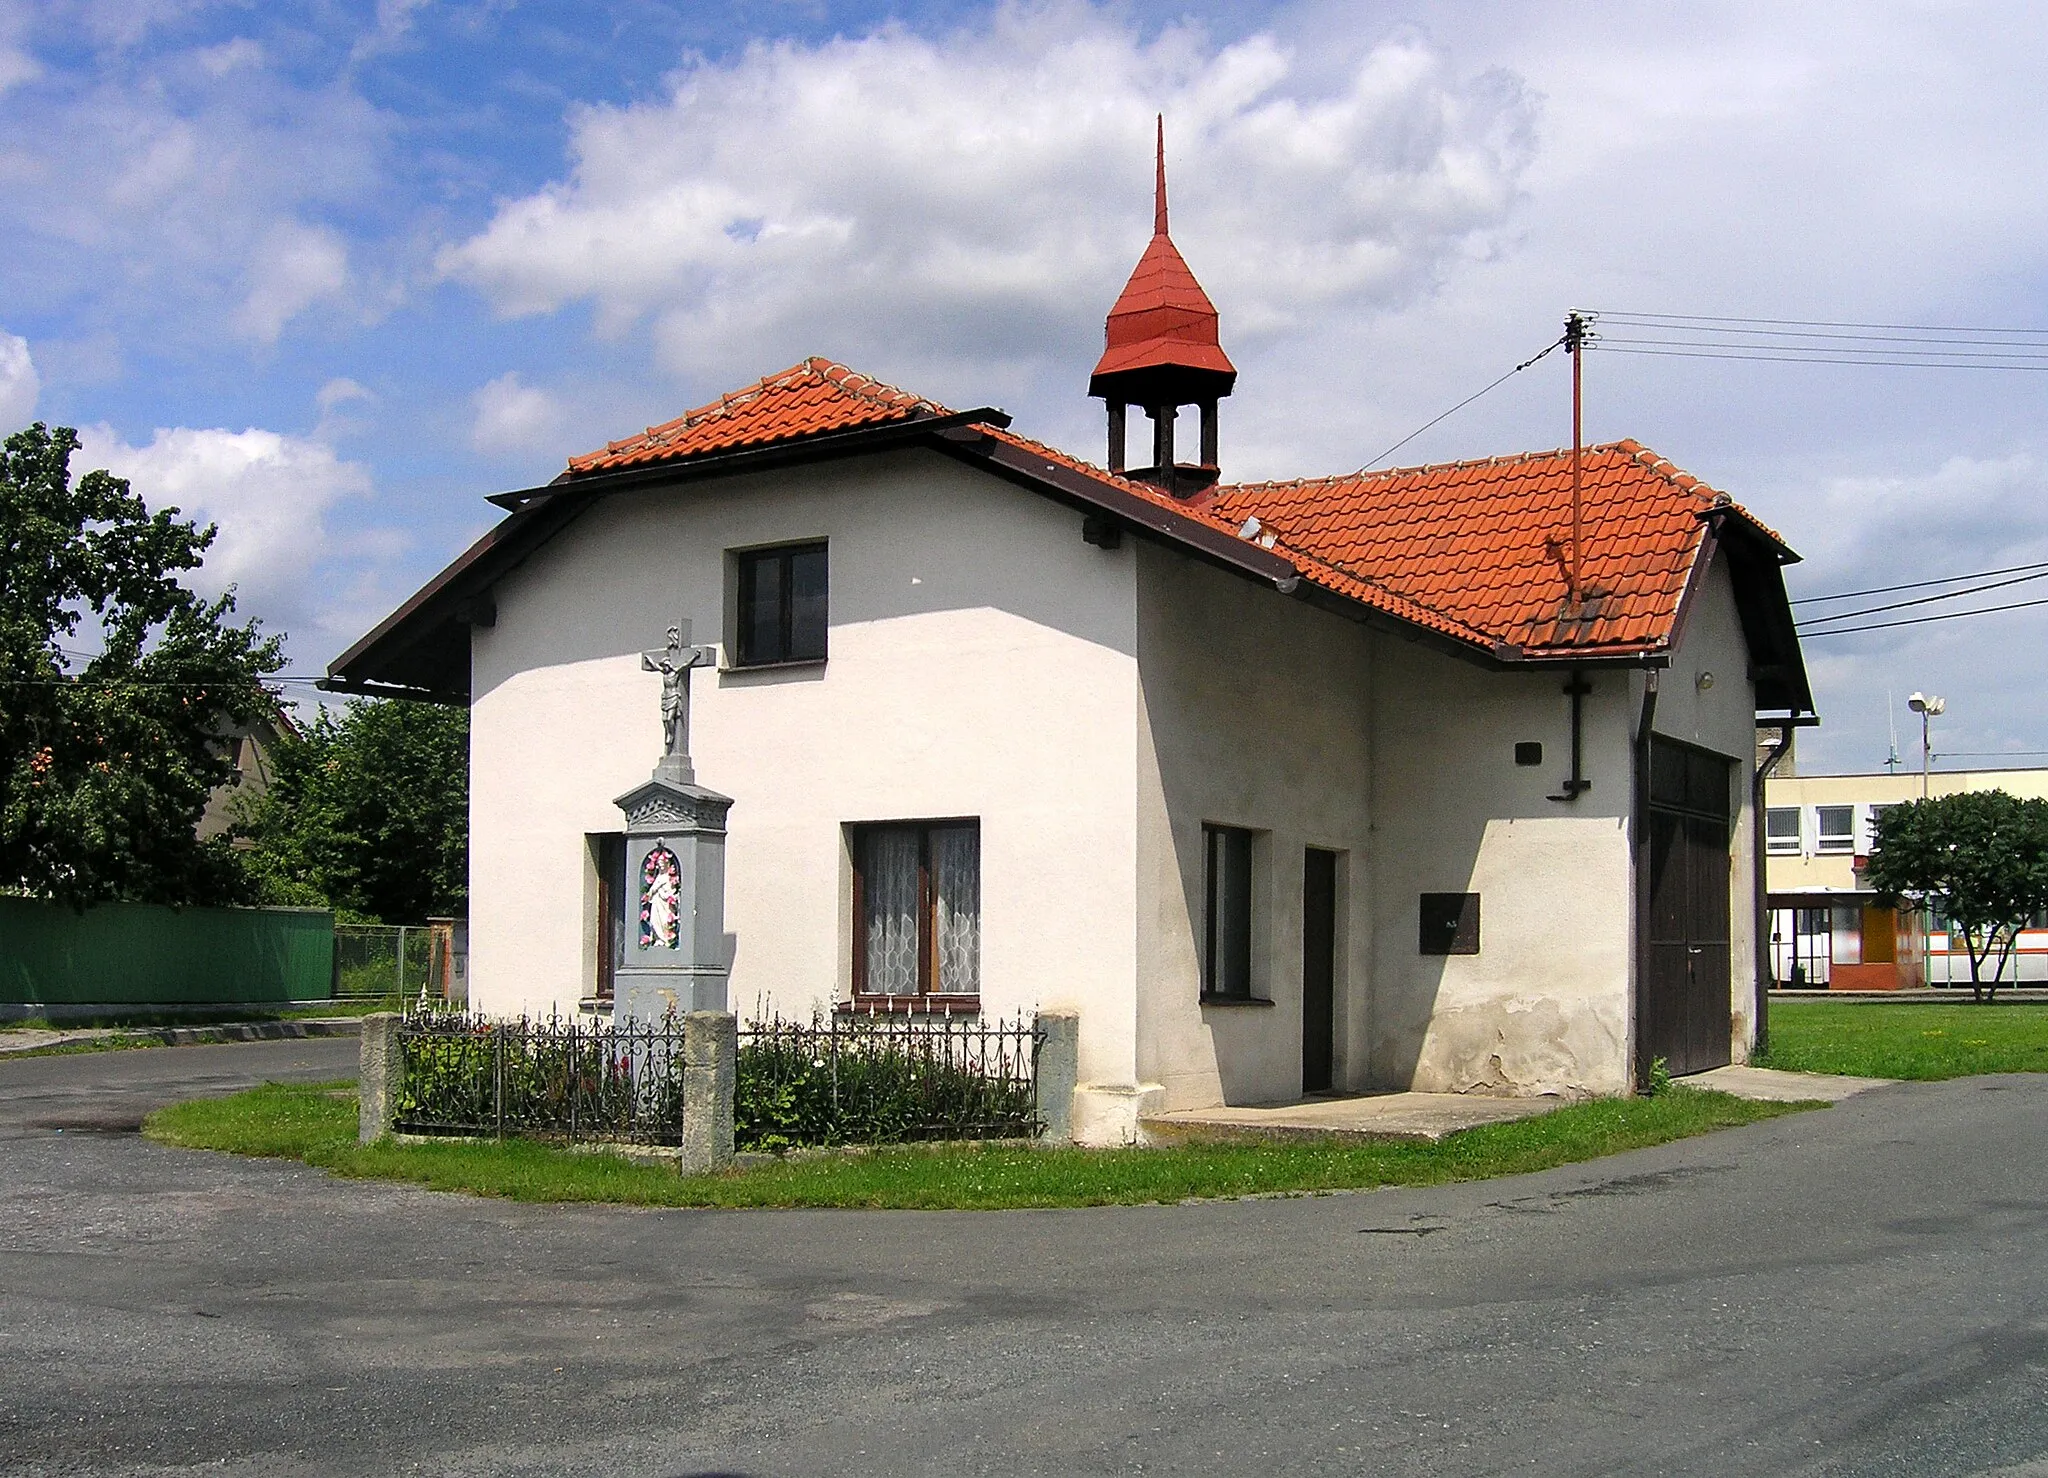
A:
x: 1683, y: 995
x: 1318, y: 969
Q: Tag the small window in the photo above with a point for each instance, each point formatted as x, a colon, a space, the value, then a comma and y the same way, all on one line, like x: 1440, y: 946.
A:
x: 1529, y: 752
x: 917, y: 911
x: 1781, y: 829
x: 1837, y: 831
x: 780, y: 615
x: 1227, y: 913
x: 608, y: 857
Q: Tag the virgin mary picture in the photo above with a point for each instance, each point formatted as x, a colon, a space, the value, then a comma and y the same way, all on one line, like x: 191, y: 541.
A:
x: 660, y: 890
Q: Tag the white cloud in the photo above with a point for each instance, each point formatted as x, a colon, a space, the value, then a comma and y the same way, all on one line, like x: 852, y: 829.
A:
x: 980, y: 196
x: 271, y: 495
x: 19, y: 385
x: 293, y: 268
x: 218, y: 61
x: 513, y: 418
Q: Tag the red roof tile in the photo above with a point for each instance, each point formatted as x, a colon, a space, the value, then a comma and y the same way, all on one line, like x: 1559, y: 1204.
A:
x: 1483, y: 544
x: 1162, y: 317
x: 807, y: 399
x: 1471, y: 550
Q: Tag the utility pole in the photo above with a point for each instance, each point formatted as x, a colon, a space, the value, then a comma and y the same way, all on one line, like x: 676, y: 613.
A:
x: 1575, y: 345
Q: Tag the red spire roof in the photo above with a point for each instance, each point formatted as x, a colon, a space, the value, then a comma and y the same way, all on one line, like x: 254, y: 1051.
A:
x: 1162, y: 319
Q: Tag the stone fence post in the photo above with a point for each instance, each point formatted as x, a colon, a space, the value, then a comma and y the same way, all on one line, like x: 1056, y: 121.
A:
x: 380, y: 1075
x: 710, y: 1070
x: 1059, y: 1071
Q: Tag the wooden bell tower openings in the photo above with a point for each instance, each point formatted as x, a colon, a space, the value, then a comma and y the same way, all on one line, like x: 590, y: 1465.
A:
x: 1162, y: 352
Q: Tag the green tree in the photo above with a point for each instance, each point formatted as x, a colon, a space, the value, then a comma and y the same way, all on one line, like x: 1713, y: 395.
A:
x: 105, y: 767
x: 1979, y: 857
x: 367, y: 811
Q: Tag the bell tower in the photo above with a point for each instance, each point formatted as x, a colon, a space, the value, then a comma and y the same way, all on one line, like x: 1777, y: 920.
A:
x: 1162, y: 352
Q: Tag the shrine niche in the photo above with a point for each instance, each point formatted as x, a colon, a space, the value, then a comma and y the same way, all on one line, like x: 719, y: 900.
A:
x: 661, y: 886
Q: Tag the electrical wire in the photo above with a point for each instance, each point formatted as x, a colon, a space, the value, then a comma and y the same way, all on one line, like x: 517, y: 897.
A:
x: 1808, y: 600
x: 1456, y: 408
x: 1919, y: 328
x: 1818, y: 341
x: 2020, y: 605
x: 1900, y: 605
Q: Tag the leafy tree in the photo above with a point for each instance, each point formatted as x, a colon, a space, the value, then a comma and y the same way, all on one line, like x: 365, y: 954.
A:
x: 367, y: 811
x: 1980, y: 857
x: 105, y: 768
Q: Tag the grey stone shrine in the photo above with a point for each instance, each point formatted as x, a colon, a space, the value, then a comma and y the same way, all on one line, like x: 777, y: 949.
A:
x: 674, y: 959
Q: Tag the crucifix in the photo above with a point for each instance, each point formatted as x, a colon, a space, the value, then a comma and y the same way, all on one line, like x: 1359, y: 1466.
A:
x: 674, y: 662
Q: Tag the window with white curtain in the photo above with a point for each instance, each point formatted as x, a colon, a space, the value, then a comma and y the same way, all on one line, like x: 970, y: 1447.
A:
x: 917, y: 909
x: 1781, y: 829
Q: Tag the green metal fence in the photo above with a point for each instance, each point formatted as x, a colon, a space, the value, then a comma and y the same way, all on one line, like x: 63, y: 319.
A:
x: 140, y: 954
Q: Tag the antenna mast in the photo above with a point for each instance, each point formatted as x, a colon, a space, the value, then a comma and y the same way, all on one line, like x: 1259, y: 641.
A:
x: 1575, y: 345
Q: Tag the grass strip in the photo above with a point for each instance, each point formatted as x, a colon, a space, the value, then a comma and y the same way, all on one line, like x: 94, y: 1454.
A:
x: 318, y: 1125
x: 1905, y: 1039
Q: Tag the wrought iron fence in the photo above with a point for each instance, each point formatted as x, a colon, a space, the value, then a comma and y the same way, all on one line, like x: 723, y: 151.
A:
x: 867, y: 1079
x: 549, y: 1079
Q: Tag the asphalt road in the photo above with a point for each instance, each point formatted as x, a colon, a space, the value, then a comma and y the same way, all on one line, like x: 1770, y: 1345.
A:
x: 1858, y: 1290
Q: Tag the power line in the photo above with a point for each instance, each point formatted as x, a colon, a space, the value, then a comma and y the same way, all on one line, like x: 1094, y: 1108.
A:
x: 1925, y: 328
x: 1917, y: 585
x: 1900, y: 605
x: 1804, y: 351
x: 1607, y: 347
x: 1455, y: 409
x: 1922, y: 620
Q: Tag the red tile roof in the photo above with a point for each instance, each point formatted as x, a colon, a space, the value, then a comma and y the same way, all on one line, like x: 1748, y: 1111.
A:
x: 1473, y: 551
x: 1483, y: 544
x: 807, y: 399
x: 1163, y: 317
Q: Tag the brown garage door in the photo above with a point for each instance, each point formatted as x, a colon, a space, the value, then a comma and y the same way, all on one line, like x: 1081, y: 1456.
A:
x: 1682, y: 998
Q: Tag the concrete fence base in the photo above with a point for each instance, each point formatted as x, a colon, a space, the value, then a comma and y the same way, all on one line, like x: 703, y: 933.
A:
x: 710, y: 1073
x: 379, y: 1076
x: 1059, y: 1071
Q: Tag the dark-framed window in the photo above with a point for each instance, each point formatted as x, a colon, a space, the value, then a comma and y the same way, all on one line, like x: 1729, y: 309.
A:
x: 1226, y: 913
x: 781, y: 608
x: 917, y: 912
x: 608, y: 856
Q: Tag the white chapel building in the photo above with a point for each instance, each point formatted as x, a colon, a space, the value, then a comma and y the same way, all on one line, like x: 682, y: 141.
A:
x: 1343, y: 784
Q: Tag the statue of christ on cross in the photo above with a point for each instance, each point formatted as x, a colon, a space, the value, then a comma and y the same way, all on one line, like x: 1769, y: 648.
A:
x: 674, y: 662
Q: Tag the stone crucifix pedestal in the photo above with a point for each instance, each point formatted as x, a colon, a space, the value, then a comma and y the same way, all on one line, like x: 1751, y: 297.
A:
x: 674, y: 959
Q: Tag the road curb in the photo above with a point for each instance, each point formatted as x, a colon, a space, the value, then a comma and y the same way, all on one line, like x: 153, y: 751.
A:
x: 189, y: 1036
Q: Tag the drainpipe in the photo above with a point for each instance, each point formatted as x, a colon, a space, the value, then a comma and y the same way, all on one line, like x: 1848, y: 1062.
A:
x: 1758, y: 844
x: 1639, y: 814
x: 1578, y: 784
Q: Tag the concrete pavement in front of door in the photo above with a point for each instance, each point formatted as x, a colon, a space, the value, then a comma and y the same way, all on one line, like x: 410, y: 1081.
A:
x: 1427, y: 1117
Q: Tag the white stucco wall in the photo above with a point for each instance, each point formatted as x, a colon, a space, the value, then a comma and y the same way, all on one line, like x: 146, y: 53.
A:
x: 1544, y: 1006
x: 1255, y: 716
x: 982, y: 663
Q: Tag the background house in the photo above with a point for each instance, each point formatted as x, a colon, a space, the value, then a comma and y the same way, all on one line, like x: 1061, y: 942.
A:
x: 1826, y: 927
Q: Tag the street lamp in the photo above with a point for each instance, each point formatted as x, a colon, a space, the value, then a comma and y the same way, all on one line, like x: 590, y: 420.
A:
x: 1927, y: 708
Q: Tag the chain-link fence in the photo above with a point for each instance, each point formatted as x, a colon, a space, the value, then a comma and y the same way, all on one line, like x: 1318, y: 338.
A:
x: 379, y: 960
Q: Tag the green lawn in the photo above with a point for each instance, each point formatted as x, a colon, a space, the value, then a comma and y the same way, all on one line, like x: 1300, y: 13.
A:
x: 1905, y: 1039
x: 318, y: 1125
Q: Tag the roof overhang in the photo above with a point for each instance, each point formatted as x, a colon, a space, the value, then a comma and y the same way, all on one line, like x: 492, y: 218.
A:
x: 421, y: 651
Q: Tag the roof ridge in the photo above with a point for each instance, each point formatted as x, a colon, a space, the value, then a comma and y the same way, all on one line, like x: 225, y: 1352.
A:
x: 1627, y: 445
x: 815, y: 367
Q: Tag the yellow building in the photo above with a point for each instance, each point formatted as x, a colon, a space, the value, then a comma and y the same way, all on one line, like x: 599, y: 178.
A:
x: 1826, y: 928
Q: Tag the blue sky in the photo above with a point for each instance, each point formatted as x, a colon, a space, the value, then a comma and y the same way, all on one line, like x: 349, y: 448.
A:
x: 330, y: 273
